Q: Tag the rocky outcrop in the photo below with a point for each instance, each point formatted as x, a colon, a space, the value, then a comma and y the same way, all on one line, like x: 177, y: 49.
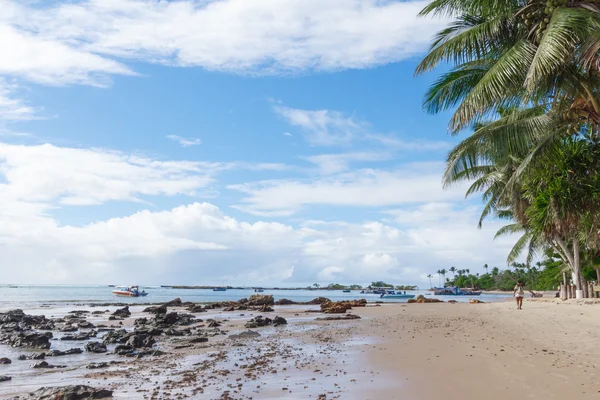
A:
x: 340, y: 307
x: 265, y: 308
x: 245, y: 335
x: 95, y: 347
x: 46, y: 365
x: 38, y: 356
x: 34, y: 340
x: 122, y: 312
x: 4, y: 378
x: 140, y: 340
x: 475, y: 301
x: 5, y: 360
x: 284, y: 302
x: 116, y: 336
x: 261, y: 300
x: 58, y: 353
x: 261, y: 321
x: 73, y: 392
x: 196, y: 308
x: 162, y: 309
x: 319, y: 300
x: 422, y: 299
x: 174, y: 303
x: 79, y: 337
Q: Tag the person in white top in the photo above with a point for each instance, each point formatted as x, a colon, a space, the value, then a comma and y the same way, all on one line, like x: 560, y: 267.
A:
x: 519, y: 292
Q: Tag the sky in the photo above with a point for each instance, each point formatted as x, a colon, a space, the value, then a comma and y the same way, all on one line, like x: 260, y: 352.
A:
x: 272, y: 142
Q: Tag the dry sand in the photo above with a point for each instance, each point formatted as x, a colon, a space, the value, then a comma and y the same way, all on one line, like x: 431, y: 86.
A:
x: 401, y: 351
x: 548, y: 350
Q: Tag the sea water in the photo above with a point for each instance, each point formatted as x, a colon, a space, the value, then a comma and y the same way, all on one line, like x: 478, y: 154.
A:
x: 33, y: 296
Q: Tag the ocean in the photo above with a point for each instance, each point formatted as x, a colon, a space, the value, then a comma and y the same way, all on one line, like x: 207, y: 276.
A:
x: 34, y: 296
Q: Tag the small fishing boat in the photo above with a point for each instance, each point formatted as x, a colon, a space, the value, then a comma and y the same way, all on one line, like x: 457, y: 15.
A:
x: 397, y: 296
x: 259, y: 290
x: 346, y: 291
x: 220, y: 289
x: 129, y: 291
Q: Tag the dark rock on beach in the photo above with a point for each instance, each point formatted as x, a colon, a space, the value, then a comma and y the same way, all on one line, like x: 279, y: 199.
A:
x: 95, y: 347
x: 260, y: 321
x: 174, y: 303
x: 78, y: 337
x: 339, y: 318
x: 5, y: 360
x: 33, y: 340
x: 261, y: 300
x: 156, y: 309
x: 140, y: 340
x: 196, y: 308
x: 58, y: 353
x: 38, y: 356
x: 73, y: 392
x: 122, y: 312
x: 245, y: 335
x: 284, y: 302
x: 279, y: 321
x: 45, y: 364
x: 4, y: 378
x: 116, y: 336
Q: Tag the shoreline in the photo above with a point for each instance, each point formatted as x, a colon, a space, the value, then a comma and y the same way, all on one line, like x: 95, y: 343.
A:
x: 476, y: 350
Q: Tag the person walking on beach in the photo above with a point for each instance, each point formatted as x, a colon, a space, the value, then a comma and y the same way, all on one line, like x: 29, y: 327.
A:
x: 519, y: 293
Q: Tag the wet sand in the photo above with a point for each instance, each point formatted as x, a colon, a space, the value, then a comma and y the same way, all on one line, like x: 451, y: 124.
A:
x: 408, y: 351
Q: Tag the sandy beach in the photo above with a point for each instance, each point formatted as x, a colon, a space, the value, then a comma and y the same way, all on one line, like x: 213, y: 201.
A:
x: 411, y: 351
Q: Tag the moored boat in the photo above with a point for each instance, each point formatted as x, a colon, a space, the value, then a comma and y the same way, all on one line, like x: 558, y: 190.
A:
x: 219, y: 289
x: 455, y: 291
x: 129, y: 291
x: 346, y: 291
x: 397, y: 296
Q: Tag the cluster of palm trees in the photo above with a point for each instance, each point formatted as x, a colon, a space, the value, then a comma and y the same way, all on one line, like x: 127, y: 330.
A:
x: 441, y: 273
x: 525, y: 79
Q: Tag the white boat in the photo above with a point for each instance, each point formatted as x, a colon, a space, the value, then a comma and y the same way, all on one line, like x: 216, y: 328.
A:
x: 129, y: 291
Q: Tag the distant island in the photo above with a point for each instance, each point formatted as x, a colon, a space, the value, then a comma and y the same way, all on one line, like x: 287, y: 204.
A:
x: 314, y: 286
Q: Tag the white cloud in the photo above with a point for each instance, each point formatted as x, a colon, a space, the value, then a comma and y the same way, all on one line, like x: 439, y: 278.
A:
x: 72, y: 41
x: 413, y: 183
x: 12, y: 108
x: 287, y: 134
x: 46, y: 173
x: 185, y: 142
x: 336, y: 163
x: 391, y: 142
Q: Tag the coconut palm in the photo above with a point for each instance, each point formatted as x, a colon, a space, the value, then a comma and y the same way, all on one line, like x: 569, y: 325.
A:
x: 430, y: 276
x: 453, y: 270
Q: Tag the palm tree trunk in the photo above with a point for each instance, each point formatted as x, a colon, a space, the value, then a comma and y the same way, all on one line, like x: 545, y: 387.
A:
x: 577, y: 268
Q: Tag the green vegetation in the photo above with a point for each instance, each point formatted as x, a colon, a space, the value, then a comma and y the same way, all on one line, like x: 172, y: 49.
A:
x: 525, y: 79
x: 380, y: 284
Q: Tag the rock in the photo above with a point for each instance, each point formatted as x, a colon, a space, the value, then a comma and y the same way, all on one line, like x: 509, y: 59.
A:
x: 95, y: 347
x: 173, y: 303
x: 265, y: 308
x: 124, y: 350
x: 79, y: 312
x: 422, y: 299
x: 98, y: 365
x: 284, y: 302
x: 162, y: 309
x: 78, y: 337
x: 319, y: 300
x: 167, y: 319
x: 174, y: 332
x: 122, y: 312
x: 139, y: 341
x: 38, y: 356
x: 150, y: 331
x: 44, y: 364
x: 140, y: 321
x: 199, y: 339
x: 116, y: 336
x: 72, y: 392
x: 85, y: 325
x: 58, y: 353
x: 260, y: 321
x: 67, y: 328
x: 33, y: 340
x: 98, y: 312
x: 475, y: 301
x: 196, y: 308
x: 261, y: 300
x: 279, y: 321
x: 4, y: 378
x: 227, y: 309
x: 213, y: 324
x: 339, y: 318
x: 5, y: 360
x: 245, y: 335
x: 452, y: 301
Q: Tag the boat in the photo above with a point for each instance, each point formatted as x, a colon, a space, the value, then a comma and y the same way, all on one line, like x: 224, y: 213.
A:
x: 346, y: 291
x: 455, y: 291
x: 259, y: 290
x: 397, y: 296
x: 219, y: 289
x: 129, y: 291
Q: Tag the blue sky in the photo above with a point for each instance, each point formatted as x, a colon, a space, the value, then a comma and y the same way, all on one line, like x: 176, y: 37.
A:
x: 225, y: 141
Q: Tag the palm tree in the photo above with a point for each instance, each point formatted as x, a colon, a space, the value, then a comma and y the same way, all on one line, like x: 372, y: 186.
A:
x: 453, y: 270
x: 485, y: 266
x: 439, y: 273
x: 430, y: 276
x: 443, y: 273
x: 316, y: 285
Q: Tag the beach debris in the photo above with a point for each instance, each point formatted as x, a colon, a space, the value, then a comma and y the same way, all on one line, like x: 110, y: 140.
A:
x: 95, y: 347
x: 245, y: 335
x: 422, y: 299
x: 58, y: 353
x: 284, y: 302
x: 5, y: 360
x: 72, y: 392
x: 45, y: 364
x: 4, y: 378
x: 339, y: 318
x: 475, y: 301
x: 261, y: 300
x: 122, y: 312
x: 35, y: 340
